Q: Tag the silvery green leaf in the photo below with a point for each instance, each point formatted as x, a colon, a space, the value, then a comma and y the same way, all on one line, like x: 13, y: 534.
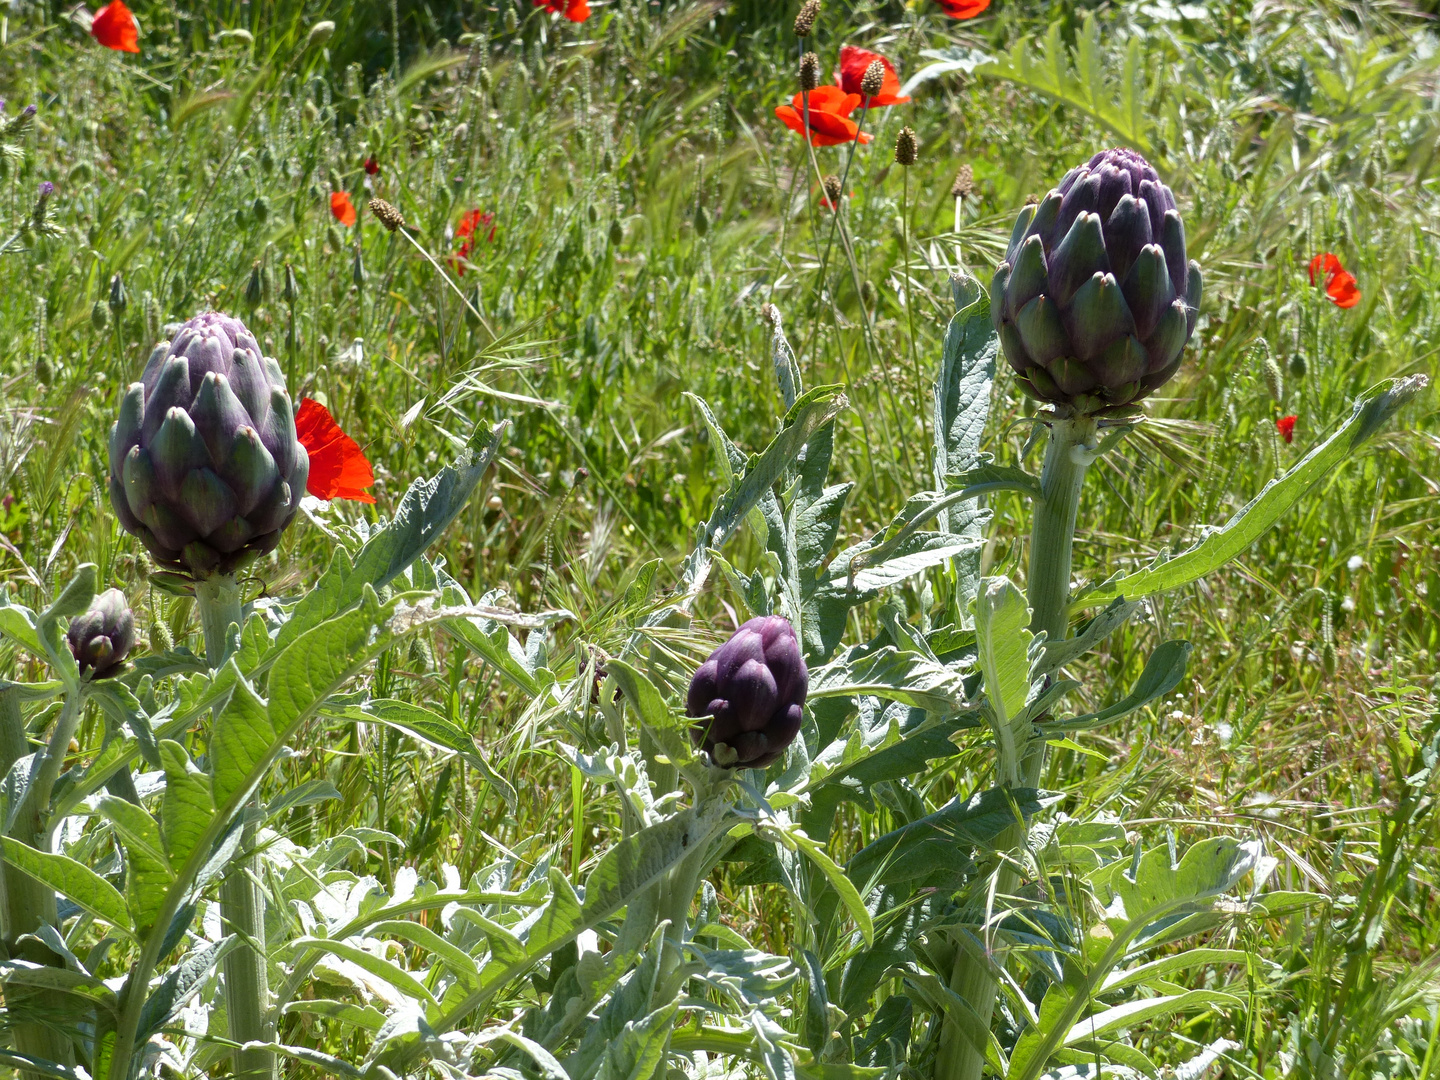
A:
x: 639, y: 1048
x: 1372, y: 411
x: 72, y: 880
x: 181, y: 983
x: 942, y: 847
x: 434, y: 730
x: 1003, y: 640
x: 1059, y: 653
x: 888, y: 673
x: 1163, y: 672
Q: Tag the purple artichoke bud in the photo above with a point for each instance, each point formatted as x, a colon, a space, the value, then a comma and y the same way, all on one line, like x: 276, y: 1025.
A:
x: 205, y: 467
x: 1095, y: 299
x: 103, y: 636
x: 748, y: 697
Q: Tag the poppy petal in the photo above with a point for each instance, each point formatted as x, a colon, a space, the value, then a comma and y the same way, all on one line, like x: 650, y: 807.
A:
x: 342, y: 208
x: 1343, y: 289
x: 338, y: 467
x: 114, y: 27
x: 1286, y: 426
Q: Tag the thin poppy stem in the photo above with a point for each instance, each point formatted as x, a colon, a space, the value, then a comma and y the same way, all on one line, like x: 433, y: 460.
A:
x: 825, y: 258
x: 909, y: 285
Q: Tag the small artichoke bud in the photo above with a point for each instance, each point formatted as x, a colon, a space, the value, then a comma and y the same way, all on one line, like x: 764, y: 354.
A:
x: 809, y: 71
x: 260, y: 209
x: 119, y: 300
x: 99, y: 316
x: 255, y: 287
x: 964, y: 182
x: 1297, y: 366
x: 292, y: 287
x: 103, y: 636
x: 805, y: 20
x: 1095, y: 298
x: 748, y: 698
x: 907, y: 147
x: 386, y: 214
x: 873, y: 79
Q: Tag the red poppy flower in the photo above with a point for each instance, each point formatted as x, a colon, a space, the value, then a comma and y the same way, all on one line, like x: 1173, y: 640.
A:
x: 1286, y: 426
x: 830, y: 109
x: 115, y: 28
x: 1340, y: 284
x: 471, y: 223
x: 574, y: 10
x: 371, y: 166
x: 963, y: 9
x: 342, y: 208
x: 853, y: 64
x: 338, y: 469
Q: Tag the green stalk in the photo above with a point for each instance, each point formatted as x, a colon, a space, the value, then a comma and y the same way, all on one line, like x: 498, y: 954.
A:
x: 242, y: 906
x: 28, y: 903
x: 1052, y: 537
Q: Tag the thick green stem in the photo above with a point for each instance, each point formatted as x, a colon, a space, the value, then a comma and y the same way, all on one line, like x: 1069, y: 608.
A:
x: 242, y: 905
x: 28, y: 903
x: 1067, y: 456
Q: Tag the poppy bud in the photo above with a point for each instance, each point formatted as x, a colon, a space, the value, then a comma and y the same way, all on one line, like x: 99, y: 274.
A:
x: 260, y: 210
x: 702, y: 221
x: 873, y: 79
x: 333, y: 240
x: 255, y: 289
x: 964, y: 182
x: 119, y: 301
x: 320, y: 33
x: 1373, y: 174
x: 1298, y: 366
x: 99, y: 315
x: 387, y: 214
x: 617, y: 232
x: 749, y: 696
x: 512, y: 21
x: 907, y: 147
x: 868, y: 296
x: 292, y: 287
x: 809, y: 72
x: 832, y: 191
x: 805, y: 20
x: 101, y: 637
x: 267, y: 161
x: 44, y: 374
x: 357, y: 269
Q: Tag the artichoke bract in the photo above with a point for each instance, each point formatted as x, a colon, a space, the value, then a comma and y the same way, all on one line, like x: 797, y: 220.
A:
x: 749, y: 696
x: 1095, y: 299
x: 103, y: 635
x: 205, y: 467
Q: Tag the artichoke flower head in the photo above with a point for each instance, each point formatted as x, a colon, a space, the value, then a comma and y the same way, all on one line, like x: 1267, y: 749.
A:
x: 1095, y: 299
x: 205, y: 467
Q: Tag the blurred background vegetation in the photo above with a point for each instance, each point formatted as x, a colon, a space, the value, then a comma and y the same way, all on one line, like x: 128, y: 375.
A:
x: 646, y: 204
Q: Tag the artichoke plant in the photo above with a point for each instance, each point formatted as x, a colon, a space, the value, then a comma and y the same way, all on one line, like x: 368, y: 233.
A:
x: 749, y: 695
x: 102, y: 636
x: 1095, y: 300
x: 205, y: 467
